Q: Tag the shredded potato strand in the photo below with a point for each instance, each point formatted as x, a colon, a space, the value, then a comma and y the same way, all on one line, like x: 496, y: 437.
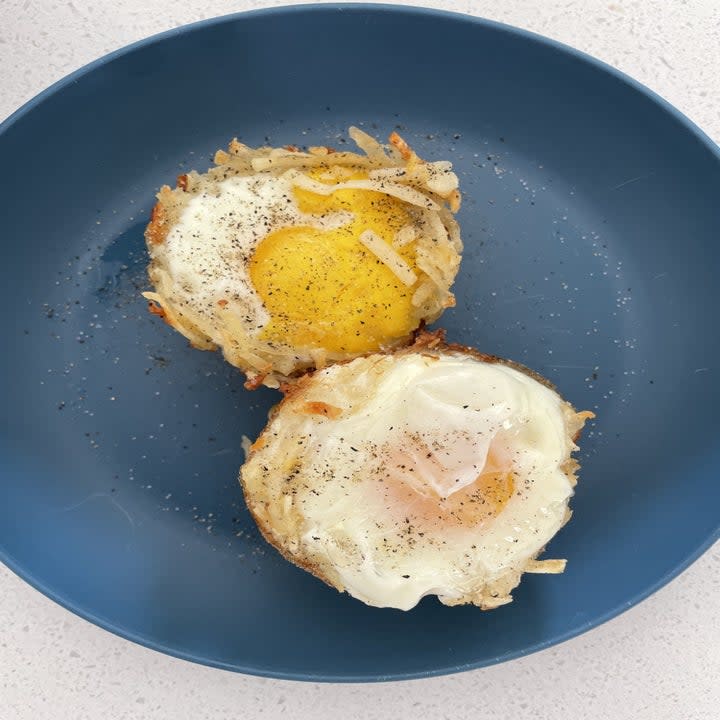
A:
x: 423, y: 293
x: 368, y: 144
x: 550, y: 567
x: 405, y: 236
x: 402, y: 192
x: 384, y: 252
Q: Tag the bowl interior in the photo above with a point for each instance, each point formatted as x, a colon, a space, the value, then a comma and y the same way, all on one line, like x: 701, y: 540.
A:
x: 590, y: 220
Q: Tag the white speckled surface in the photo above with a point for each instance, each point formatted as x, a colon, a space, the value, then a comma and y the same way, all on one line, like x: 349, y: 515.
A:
x: 660, y: 660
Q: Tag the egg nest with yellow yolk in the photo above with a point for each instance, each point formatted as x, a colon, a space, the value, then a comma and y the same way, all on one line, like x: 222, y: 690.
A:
x: 433, y: 470
x: 290, y: 260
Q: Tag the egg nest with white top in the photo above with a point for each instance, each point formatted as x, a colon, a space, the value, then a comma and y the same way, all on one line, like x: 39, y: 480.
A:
x: 290, y: 260
x: 433, y: 470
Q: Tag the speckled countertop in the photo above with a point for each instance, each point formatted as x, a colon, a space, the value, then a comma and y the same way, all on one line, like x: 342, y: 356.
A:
x: 658, y: 661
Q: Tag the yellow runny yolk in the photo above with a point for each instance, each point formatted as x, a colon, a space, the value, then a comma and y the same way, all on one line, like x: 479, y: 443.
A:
x: 324, y: 288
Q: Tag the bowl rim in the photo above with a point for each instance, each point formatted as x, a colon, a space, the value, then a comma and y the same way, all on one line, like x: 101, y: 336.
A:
x: 379, y: 8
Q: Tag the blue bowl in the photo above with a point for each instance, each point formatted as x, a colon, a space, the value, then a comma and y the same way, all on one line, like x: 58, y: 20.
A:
x: 591, y: 220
